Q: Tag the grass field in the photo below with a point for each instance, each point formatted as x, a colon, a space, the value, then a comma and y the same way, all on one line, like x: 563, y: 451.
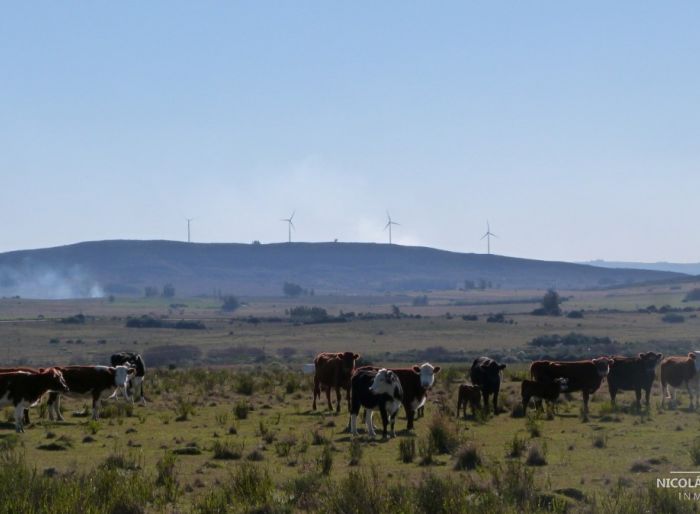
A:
x: 211, y: 428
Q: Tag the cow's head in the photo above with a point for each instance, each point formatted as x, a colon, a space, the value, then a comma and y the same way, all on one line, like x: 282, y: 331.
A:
x: 650, y: 359
x: 563, y: 383
x: 122, y: 374
x: 56, y: 379
x: 386, y: 382
x: 602, y: 365
x: 427, y: 374
x: 695, y: 356
x: 348, y: 360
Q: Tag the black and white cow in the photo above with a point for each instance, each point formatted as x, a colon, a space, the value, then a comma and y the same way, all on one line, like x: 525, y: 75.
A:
x: 375, y: 389
x: 135, y: 383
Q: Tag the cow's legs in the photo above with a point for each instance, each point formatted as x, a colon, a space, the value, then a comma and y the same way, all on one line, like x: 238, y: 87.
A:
x: 410, y: 415
x: 369, y: 423
x: 638, y: 396
x: 19, y: 416
x: 338, y: 397
x: 385, y: 421
x: 586, y: 395
x: 353, y: 423
x: 647, y: 392
x: 95, y: 408
x: 613, y: 396
x: 317, y: 391
x: 485, y: 395
x: 687, y: 386
x: 495, y: 402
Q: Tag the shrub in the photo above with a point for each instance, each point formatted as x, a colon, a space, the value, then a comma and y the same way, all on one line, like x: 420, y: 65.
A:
x: 325, y: 460
x: 78, y: 319
x: 600, y: 441
x: 407, y: 450
x: 355, y: 452
x: 533, y: 427
x: 470, y: 317
x: 673, y: 317
x: 225, y: 450
x: 694, y: 451
x: 183, y: 409
x: 575, y: 315
x: 692, y: 296
x: 240, y: 410
x: 420, y: 301
x: 230, y: 303
x: 515, y: 447
x: 245, y: 384
x: 442, y: 431
x: 467, y: 457
x: 426, y: 451
x: 537, y: 455
x: 303, y: 314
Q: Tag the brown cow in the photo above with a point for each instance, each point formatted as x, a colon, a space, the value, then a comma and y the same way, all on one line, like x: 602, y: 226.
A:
x: 468, y: 395
x: 633, y: 374
x: 93, y: 381
x: 333, y: 370
x: 548, y: 392
x: 585, y: 376
x: 23, y: 390
x: 677, y: 371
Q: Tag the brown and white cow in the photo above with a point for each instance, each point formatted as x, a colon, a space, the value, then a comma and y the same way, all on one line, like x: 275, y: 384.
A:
x: 585, y: 375
x: 468, y: 395
x: 333, y: 370
x: 92, y: 381
x: 22, y: 390
x: 633, y: 374
x: 677, y: 371
x: 549, y: 392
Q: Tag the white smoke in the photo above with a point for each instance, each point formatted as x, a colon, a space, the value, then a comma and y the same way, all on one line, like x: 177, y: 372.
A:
x: 30, y: 280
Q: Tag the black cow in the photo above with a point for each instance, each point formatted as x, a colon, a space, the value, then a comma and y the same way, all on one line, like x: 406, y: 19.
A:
x: 633, y: 374
x: 135, y: 384
x: 375, y: 389
x: 486, y: 373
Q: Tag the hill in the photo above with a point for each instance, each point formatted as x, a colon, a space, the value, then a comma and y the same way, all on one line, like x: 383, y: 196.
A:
x: 691, y: 268
x: 125, y: 267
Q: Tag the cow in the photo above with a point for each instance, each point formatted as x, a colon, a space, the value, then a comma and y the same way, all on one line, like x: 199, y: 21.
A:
x: 486, y: 373
x: 633, y: 374
x: 468, y: 395
x: 132, y: 360
x: 374, y: 389
x: 333, y: 370
x: 585, y: 375
x: 91, y: 381
x: 22, y: 390
x: 548, y: 392
x: 26, y: 370
x: 677, y: 371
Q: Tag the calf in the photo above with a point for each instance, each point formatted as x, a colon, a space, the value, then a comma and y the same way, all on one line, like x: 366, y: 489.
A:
x: 468, y: 394
x: 548, y: 392
x: 585, y: 376
x: 91, y: 381
x: 633, y: 374
x: 416, y: 382
x: 23, y: 390
x: 132, y: 360
x: 26, y: 370
x: 486, y: 373
x: 677, y: 371
x: 333, y: 370
x: 373, y: 389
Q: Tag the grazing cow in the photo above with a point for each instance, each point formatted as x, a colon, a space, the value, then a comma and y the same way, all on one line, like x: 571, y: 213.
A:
x: 333, y: 370
x: 585, y: 376
x: 633, y: 374
x: 132, y: 360
x: 548, y: 392
x: 486, y: 373
x: 22, y: 390
x: 471, y: 395
x: 92, y: 381
x: 677, y: 371
x: 374, y: 389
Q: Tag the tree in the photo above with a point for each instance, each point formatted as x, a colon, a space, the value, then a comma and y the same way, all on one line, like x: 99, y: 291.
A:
x: 168, y: 291
x: 231, y: 303
x: 292, y: 290
x: 550, y: 304
x: 150, y: 291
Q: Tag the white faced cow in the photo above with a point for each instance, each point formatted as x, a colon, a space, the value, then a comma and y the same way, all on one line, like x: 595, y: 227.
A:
x: 375, y: 389
x: 95, y: 382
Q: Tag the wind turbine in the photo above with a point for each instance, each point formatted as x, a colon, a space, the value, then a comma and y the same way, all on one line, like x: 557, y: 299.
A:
x: 290, y: 225
x: 488, y: 237
x: 189, y: 220
x: 389, y: 223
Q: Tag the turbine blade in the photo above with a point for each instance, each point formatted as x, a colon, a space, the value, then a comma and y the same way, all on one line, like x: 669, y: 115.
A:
x: 387, y: 225
x: 482, y: 237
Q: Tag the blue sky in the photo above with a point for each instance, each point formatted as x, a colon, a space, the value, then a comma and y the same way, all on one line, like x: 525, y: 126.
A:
x: 573, y: 128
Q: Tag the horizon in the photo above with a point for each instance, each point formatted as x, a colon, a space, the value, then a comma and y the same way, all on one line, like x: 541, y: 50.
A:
x: 571, y: 129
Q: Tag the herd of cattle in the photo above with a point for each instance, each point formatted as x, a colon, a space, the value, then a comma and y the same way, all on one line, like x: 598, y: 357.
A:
x: 24, y: 387
x: 374, y: 388
x: 389, y: 389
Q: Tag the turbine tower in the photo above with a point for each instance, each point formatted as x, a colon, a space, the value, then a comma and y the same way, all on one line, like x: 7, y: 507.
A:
x: 290, y: 226
x: 189, y: 220
x: 488, y: 237
x: 389, y: 223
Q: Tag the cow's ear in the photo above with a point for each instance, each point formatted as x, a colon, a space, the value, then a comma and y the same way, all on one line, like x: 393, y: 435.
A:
x: 436, y: 370
x: 691, y: 355
x: 501, y: 366
x: 356, y: 356
x: 131, y: 371
x: 416, y: 369
x: 642, y: 355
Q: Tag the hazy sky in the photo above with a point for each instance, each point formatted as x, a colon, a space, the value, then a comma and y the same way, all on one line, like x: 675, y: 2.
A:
x: 573, y: 127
